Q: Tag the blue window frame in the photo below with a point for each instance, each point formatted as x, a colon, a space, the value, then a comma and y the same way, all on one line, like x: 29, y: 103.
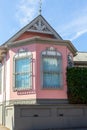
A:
x: 23, y: 71
x: 51, y: 66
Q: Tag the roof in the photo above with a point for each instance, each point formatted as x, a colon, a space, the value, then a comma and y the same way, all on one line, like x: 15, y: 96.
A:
x: 81, y: 57
x: 39, y: 24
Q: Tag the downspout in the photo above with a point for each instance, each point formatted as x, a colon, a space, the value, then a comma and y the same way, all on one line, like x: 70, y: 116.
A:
x: 4, y: 89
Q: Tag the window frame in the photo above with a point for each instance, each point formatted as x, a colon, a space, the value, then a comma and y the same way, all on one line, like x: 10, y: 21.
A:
x: 57, y: 55
x: 22, y: 54
x: 70, y: 62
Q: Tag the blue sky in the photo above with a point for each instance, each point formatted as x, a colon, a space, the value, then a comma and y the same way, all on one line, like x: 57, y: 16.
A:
x: 67, y: 17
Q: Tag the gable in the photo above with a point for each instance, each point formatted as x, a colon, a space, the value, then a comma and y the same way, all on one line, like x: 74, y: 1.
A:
x: 28, y: 34
x: 39, y: 25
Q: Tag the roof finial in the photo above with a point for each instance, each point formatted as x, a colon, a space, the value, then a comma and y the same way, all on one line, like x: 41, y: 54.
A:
x: 40, y: 5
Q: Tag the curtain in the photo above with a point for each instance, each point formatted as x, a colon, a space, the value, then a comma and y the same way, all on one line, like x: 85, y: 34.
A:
x: 51, y: 71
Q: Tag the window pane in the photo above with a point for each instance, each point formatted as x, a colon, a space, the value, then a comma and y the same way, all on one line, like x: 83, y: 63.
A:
x: 23, y: 81
x: 51, y: 71
x: 50, y: 64
x: 22, y: 65
x: 23, y: 69
x: 51, y: 80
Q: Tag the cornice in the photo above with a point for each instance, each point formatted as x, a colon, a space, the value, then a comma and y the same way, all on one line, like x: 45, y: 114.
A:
x: 61, y: 103
x: 37, y: 39
x: 35, y: 102
x: 80, y: 62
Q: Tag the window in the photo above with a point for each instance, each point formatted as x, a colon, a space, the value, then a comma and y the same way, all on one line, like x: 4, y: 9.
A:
x: 51, y: 68
x: 23, y: 70
x: 70, y: 61
x: 0, y: 78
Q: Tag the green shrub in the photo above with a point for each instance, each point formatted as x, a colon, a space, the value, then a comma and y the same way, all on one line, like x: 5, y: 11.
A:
x: 77, y: 85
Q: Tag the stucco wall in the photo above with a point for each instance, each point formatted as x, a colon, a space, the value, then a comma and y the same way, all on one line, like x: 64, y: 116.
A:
x: 9, y: 117
x: 22, y: 95
x: 0, y: 114
x: 60, y: 93
x: 37, y: 92
x: 1, y: 94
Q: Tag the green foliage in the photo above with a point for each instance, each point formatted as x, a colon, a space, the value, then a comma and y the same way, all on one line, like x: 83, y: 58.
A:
x: 77, y: 85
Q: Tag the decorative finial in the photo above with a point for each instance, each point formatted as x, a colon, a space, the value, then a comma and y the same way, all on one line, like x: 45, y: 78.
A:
x: 40, y: 5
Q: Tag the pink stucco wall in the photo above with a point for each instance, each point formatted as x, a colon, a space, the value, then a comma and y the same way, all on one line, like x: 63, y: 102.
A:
x: 38, y: 92
x: 60, y: 93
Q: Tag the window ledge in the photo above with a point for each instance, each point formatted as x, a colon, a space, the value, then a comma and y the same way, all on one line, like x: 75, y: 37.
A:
x: 57, y: 88
x: 22, y: 89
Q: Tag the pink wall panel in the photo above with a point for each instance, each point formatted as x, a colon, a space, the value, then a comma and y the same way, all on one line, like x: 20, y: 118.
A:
x: 51, y: 94
x: 31, y: 94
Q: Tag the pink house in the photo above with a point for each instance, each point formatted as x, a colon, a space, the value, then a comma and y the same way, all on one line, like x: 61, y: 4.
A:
x: 33, y: 87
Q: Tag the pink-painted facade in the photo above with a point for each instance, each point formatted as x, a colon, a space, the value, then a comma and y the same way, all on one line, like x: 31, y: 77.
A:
x: 36, y: 43
x: 23, y: 94
x: 37, y: 92
x: 32, y: 96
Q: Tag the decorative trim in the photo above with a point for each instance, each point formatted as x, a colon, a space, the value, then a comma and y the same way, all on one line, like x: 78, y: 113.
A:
x: 60, y: 102
x: 17, y: 102
x: 36, y: 102
x: 39, y: 26
x: 52, y: 50
x: 43, y: 27
x: 36, y: 40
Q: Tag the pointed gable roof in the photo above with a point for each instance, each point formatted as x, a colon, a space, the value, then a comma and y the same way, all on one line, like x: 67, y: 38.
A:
x: 39, y: 24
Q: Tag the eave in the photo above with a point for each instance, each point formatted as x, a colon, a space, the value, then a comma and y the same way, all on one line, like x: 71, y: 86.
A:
x: 3, y: 51
x: 80, y: 62
x: 40, y: 40
x: 28, y: 28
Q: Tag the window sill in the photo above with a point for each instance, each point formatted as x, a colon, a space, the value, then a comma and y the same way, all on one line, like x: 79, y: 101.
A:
x: 26, y: 91
x: 22, y: 89
x: 50, y: 88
